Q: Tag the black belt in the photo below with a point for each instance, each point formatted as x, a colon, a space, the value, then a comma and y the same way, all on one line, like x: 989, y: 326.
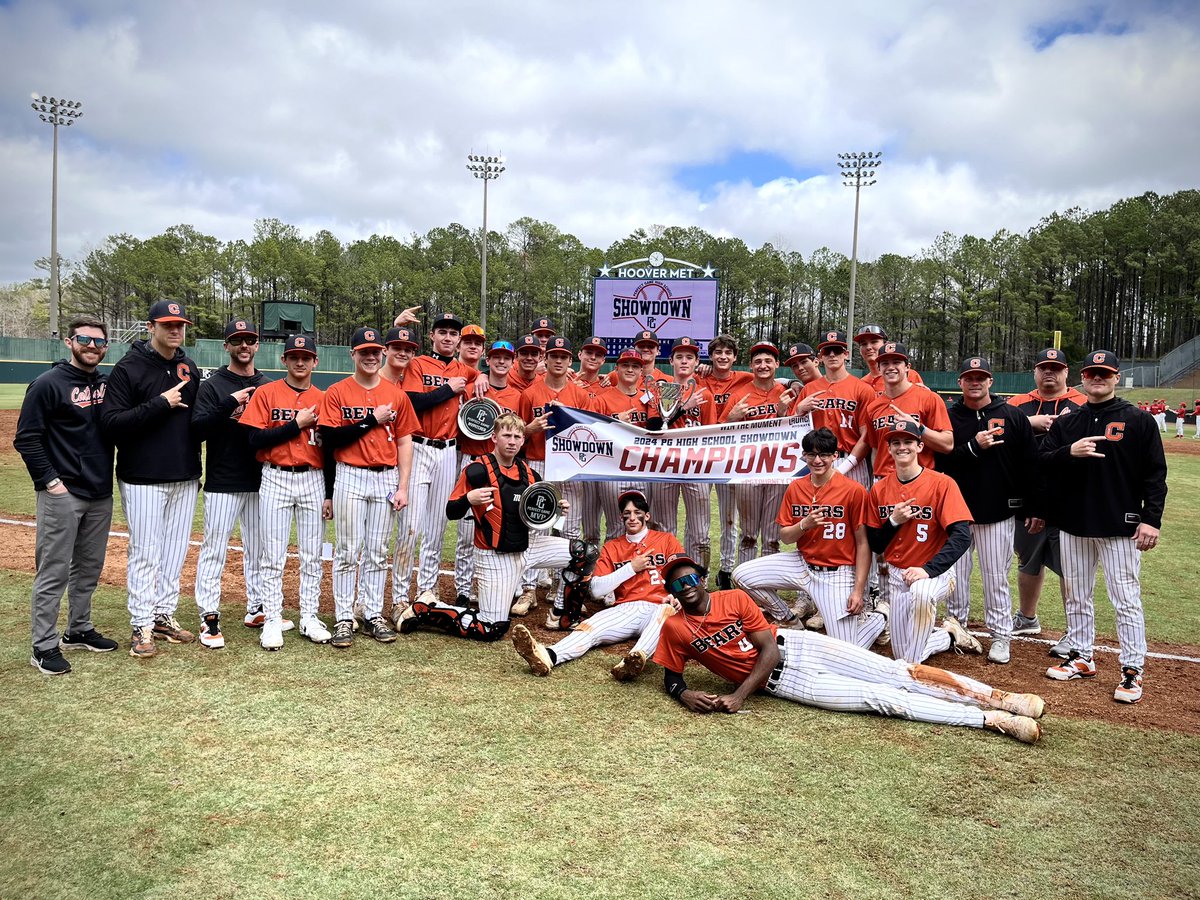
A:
x: 369, y: 468
x: 292, y: 469
x: 824, y: 568
x: 430, y: 442
x: 777, y: 672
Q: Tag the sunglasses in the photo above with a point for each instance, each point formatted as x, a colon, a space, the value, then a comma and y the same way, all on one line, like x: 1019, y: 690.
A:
x: 242, y: 341
x: 825, y: 456
x: 85, y: 340
x: 683, y: 582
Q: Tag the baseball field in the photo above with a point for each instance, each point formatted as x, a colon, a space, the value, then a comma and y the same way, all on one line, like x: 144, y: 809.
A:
x: 438, y: 768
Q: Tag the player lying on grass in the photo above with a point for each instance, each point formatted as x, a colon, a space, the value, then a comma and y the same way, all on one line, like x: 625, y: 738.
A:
x: 627, y: 568
x: 726, y: 633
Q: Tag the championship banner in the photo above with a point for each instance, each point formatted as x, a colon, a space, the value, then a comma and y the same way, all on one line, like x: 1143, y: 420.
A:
x: 583, y: 446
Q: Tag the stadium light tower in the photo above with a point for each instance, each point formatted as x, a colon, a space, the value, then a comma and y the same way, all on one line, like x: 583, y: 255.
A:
x: 55, y: 112
x: 487, y: 168
x: 858, y: 170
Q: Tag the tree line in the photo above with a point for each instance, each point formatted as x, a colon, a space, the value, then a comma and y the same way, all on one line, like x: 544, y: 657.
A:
x: 1126, y: 278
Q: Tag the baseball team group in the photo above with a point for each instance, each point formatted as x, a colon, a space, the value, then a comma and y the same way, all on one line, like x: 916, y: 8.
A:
x: 900, y: 496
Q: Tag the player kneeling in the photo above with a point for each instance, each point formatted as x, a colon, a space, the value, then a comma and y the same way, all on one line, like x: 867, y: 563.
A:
x: 628, y: 569
x: 726, y: 633
x: 490, y: 488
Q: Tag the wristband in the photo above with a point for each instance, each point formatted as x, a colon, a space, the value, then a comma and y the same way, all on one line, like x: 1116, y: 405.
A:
x: 920, y: 428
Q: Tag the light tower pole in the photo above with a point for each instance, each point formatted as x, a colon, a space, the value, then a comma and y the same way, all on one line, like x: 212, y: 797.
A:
x: 856, y: 168
x: 56, y: 112
x: 487, y: 168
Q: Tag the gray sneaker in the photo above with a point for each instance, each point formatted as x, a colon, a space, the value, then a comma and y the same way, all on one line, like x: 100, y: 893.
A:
x: 1062, y: 649
x: 1026, y: 624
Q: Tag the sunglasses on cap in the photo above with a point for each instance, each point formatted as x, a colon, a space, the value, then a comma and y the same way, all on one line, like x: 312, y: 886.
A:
x: 683, y: 582
x: 86, y: 340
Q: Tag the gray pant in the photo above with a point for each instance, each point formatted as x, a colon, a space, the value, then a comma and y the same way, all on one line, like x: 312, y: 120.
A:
x: 72, y: 539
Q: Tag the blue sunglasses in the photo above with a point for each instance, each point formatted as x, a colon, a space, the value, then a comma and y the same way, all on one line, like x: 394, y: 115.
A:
x: 683, y: 582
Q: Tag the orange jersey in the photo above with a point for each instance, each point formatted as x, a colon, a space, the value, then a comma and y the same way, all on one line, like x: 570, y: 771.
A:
x: 647, y: 584
x: 721, y: 390
x: 275, y: 404
x: 843, y: 503
x: 516, y: 381
x: 716, y: 640
x: 919, y: 402
x: 498, y: 525
x: 938, y: 504
x: 509, y: 399
x: 347, y: 402
x: 593, y: 389
x: 428, y: 373
x: 612, y: 402
x: 700, y: 411
x: 656, y: 375
x: 875, y: 382
x: 405, y: 381
x: 842, y: 408
x: 762, y: 403
x: 535, y: 401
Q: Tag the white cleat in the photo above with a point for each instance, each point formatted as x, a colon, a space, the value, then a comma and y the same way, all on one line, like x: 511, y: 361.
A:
x: 272, y: 634
x: 999, y: 651
x: 314, y: 629
x: 963, y: 640
x: 527, y: 602
x: 1022, y: 728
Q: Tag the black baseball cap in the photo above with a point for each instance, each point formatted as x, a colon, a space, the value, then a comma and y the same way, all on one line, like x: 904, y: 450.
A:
x: 674, y: 561
x: 596, y: 343
x: 902, y: 428
x: 446, y: 320
x: 687, y: 344
x: 402, y: 336
x: 893, y: 348
x: 365, y: 338
x: 240, y: 327
x: 646, y: 337
x: 797, y: 352
x: 544, y: 324
x: 975, y: 364
x: 169, y: 311
x: 869, y: 333
x: 558, y: 345
x: 529, y: 342
x: 1052, y: 357
x: 833, y: 339
x: 300, y: 343
x: 1102, y: 359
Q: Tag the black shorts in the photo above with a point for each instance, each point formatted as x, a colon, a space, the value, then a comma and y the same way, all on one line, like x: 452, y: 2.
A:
x: 1036, y: 550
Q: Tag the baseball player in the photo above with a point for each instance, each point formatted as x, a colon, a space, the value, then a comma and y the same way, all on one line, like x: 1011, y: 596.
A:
x: 841, y: 404
x: 490, y: 490
x: 440, y: 381
x: 824, y: 514
x: 1180, y: 416
x: 921, y: 526
x: 1196, y: 421
x: 402, y: 344
x: 628, y: 569
x: 1106, y: 443
x: 147, y: 413
x: 757, y: 504
x: 232, y: 479
x: 529, y: 361
x: 699, y: 410
x: 1159, y: 409
x: 543, y: 329
x: 500, y: 358
x: 470, y: 354
x: 901, y: 400
x: 993, y: 465
x: 803, y: 363
x: 281, y: 424
x: 721, y: 381
x: 58, y: 437
x: 1038, y: 550
x: 646, y: 343
x: 727, y: 634
x: 366, y: 426
x: 870, y: 340
x: 591, y: 355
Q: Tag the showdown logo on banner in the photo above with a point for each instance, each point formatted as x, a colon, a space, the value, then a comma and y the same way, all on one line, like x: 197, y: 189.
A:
x: 586, y: 447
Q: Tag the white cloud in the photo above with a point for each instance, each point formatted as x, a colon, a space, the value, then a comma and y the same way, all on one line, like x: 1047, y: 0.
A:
x: 358, y: 117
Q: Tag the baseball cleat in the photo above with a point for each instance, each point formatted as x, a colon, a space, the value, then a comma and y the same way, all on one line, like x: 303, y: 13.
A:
x: 254, y: 618
x: 1061, y: 650
x: 402, y: 612
x: 554, y: 620
x: 1030, y: 705
x: 1023, y: 728
x: 141, y: 642
x: 168, y: 627
x: 1026, y: 624
x: 884, y: 609
x: 963, y: 640
x: 343, y: 634
x: 1074, y: 667
x: 531, y: 651
x: 1130, y: 688
x: 378, y: 628
x: 210, y: 631
x: 314, y: 629
x: 286, y: 625
x: 630, y: 666
x: 815, y: 622
x: 272, y: 635
x: 999, y: 651
x: 804, y: 607
x: 527, y: 602
x: 544, y: 580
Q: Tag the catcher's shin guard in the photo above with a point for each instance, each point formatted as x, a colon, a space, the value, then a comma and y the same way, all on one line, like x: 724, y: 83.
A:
x: 575, y: 578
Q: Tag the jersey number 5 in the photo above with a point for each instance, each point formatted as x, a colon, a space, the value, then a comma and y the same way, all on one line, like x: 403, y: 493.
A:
x: 922, y: 532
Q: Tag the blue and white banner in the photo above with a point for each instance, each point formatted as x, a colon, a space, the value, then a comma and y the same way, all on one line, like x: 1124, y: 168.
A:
x: 583, y: 446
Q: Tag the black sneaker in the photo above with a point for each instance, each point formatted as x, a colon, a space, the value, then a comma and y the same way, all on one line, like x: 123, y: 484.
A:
x: 724, y: 581
x: 50, y: 662
x: 379, y: 629
x: 87, y: 640
x: 343, y: 634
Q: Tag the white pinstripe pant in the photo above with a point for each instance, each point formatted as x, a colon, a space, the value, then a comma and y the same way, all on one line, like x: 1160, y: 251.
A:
x: 914, y: 611
x: 589, y: 497
x: 697, y: 515
x: 570, y: 491
x: 994, y: 545
x: 637, y: 618
x: 362, y: 522
x: 727, y: 512
x: 757, y: 507
x: 1122, y: 576
x: 221, y: 511
x: 464, y: 548
x: 284, y: 497
x: 817, y: 670
x: 762, y: 577
x: 434, y: 472
x: 160, y: 523
x: 500, y: 573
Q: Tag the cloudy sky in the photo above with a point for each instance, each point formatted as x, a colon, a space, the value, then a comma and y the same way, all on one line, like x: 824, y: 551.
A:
x: 358, y: 116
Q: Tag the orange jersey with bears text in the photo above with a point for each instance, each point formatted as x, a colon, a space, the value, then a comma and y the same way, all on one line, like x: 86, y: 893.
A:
x: 647, y: 584
x: 347, y: 402
x: 717, y: 640
x: 938, y: 504
x: 275, y: 404
x: 428, y: 373
x: 642, y: 404
x: 722, y: 390
x: 919, y: 402
x: 509, y: 399
x: 843, y: 503
x: 761, y: 403
x: 535, y: 401
x: 700, y: 411
x: 592, y: 388
x: 875, y: 382
x: 842, y: 407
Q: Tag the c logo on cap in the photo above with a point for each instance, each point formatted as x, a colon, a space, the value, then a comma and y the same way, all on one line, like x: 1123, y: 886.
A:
x: 1097, y: 357
x: 369, y: 335
x: 889, y: 348
x: 974, y: 363
x: 299, y: 342
x: 240, y: 326
x: 831, y: 336
x: 1051, y: 354
x: 173, y: 308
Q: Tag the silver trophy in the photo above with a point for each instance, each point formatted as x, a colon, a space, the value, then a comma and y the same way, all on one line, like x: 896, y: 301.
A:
x: 476, y: 418
x: 540, y: 507
x: 668, y: 399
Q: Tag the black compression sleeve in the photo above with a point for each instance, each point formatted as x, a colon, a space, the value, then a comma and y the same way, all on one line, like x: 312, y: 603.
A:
x: 262, y: 438
x: 423, y: 400
x: 335, y: 436
x: 879, y: 538
x: 958, y: 541
x: 457, y: 509
x: 674, y: 684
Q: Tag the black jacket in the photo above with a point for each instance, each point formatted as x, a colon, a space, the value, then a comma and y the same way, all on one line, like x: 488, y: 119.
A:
x: 998, y: 482
x: 155, y: 444
x: 58, y: 432
x: 230, y: 466
x: 1106, y: 497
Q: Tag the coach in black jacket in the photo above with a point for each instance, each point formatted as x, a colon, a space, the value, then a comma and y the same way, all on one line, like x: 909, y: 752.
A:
x: 58, y: 436
x: 148, y: 415
x: 1107, y: 486
x: 993, y: 464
